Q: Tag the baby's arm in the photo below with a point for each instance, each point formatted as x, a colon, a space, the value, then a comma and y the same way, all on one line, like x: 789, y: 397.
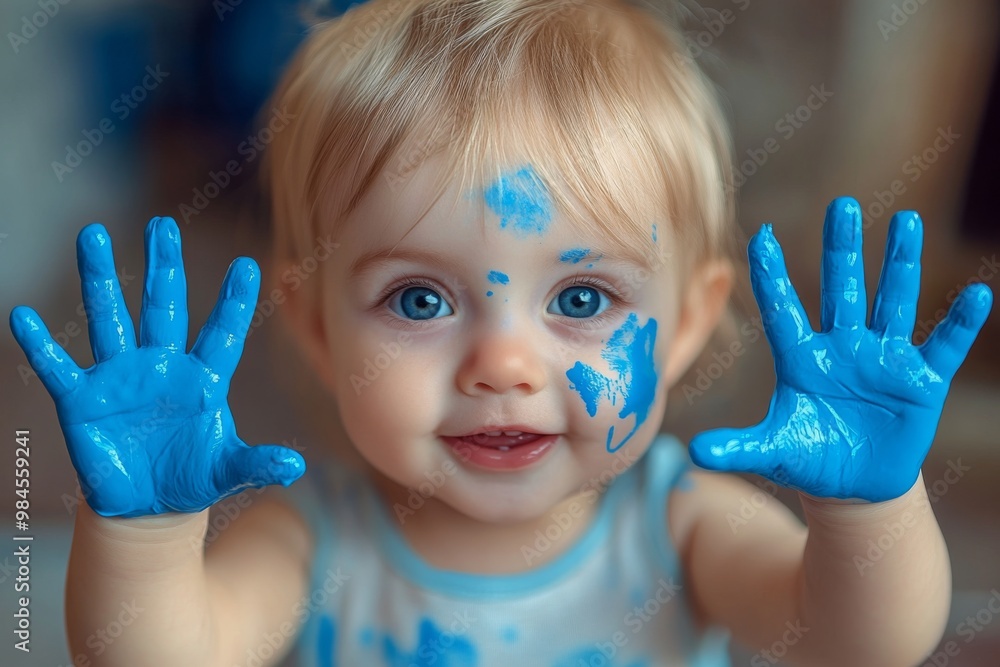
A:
x: 853, y: 416
x: 183, y: 608
x: 805, y: 597
x: 152, y: 438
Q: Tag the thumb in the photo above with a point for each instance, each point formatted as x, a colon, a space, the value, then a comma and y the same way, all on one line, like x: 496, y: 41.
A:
x: 244, y: 466
x: 733, y: 450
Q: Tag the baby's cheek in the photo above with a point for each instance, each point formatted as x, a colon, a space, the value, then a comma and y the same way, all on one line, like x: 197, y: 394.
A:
x: 622, y: 388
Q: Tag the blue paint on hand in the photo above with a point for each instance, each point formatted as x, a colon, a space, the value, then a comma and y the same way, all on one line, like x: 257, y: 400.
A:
x: 574, y: 255
x: 148, y: 428
x: 856, y: 407
x: 629, y: 353
x: 522, y: 202
x: 434, y: 647
x: 497, y: 278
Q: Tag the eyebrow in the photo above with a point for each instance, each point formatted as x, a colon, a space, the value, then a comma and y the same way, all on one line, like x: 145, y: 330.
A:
x: 370, y: 260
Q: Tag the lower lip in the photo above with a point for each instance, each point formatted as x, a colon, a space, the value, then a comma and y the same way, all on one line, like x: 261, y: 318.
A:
x: 494, y: 458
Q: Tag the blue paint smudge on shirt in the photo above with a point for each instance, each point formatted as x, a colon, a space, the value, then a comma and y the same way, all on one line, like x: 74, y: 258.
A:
x: 325, y: 642
x: 498, y: 278
x: 574, y: 255
x: 521, y: 201
x: 366, y: 637
x: 433, y: 648
x: 509, y: 634
x: 629, y: 353
x: 592, y: 656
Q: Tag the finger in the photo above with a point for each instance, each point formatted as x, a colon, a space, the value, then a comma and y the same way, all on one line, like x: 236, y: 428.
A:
x: 949, y: 343
x: 108, y: 321
x: 54, y: 367
x: 894, y: 311
x: 163, y: 321
x: 258, y: 466
x: 785, y: 322
x: 842, y: 280
x: 733, y: 450
x: 220, y: 343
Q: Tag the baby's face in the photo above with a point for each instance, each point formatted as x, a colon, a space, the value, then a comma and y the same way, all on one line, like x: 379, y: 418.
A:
x: 518, y: 324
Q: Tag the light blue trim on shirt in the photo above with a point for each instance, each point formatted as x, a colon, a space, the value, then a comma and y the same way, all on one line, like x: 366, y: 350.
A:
x: 496, y: 586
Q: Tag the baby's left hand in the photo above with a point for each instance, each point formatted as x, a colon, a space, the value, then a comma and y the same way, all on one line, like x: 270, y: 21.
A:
x: 855, y: 408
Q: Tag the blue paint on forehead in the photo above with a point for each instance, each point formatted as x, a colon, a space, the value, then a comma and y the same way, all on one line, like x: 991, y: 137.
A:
x: 498, y: 278
x: 521, y: 201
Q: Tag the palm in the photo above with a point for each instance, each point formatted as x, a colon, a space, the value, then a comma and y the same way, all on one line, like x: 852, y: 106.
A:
x: 149, y: 429
x: 855, y: 407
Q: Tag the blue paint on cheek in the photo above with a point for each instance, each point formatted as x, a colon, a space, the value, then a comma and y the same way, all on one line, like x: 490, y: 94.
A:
x: 434, y: 647
x: 654, y: 233
x: 489, y: 293
x: 629, y: 353
x: 522, y: 202
x: 498, y: 278
x: 574, y: 255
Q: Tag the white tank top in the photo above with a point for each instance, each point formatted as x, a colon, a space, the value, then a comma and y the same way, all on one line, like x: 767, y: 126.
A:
x: 615, y: 598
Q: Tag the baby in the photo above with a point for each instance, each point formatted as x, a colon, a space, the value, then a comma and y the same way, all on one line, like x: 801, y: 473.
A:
x: 525, y: 219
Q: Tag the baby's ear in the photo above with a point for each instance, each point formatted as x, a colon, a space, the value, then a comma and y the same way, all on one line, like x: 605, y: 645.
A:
x: 703, y: 302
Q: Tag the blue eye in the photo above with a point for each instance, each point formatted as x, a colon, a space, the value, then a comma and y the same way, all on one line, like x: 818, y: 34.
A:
x: 580, y: 301
x: 419, y: 303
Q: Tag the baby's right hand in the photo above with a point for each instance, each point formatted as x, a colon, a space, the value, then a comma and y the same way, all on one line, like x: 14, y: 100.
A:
x: 148, y: 428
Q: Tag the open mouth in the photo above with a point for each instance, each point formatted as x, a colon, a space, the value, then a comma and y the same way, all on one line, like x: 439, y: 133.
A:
x: 501, y: 449
x: 502, y: 440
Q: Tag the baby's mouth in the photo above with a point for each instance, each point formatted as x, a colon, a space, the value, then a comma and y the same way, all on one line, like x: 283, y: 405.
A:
x: 502, y: 440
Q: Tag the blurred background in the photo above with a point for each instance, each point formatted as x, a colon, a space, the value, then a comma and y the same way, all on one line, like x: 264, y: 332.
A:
x: 119, y: 110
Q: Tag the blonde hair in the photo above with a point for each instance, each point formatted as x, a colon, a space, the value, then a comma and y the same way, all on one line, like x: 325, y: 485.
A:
x: 599, y: 97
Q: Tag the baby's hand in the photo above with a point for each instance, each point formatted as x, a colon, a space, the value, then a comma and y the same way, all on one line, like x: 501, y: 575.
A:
x: 855, y: 408
x: 148, y: 428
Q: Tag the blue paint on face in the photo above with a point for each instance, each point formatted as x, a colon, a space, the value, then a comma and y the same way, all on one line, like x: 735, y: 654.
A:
x: 498, y: 278
x: 575, y: 255
x: 522, y: 202
x: 654, y: 232
x: 629, y: 353
x: 326, y: 641
x: 489, y: 293
x: 434, y: 647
